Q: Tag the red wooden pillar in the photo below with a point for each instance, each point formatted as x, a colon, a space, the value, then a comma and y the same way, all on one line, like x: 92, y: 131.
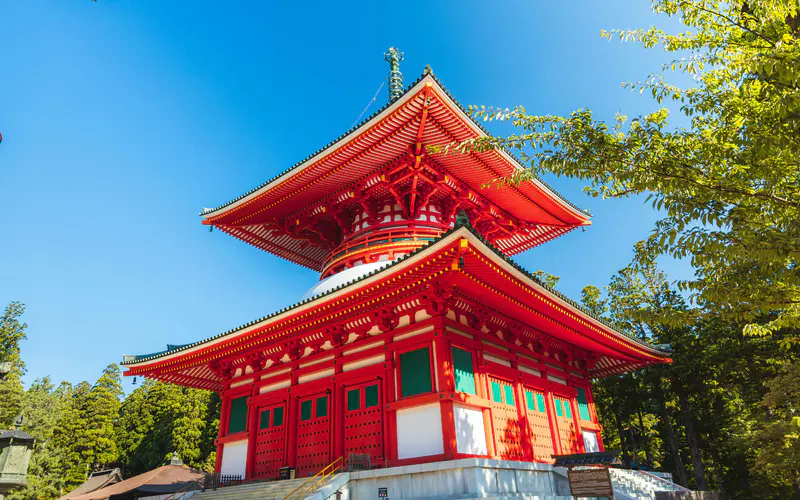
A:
x: 389, y: 417
x: 293, y: 410
x: 482, y: 386
x: 525, y: 428
x: 549, y: 404
x: 337, y: 409
x: 593, y: 415
x: 223, y: 423
x: 446, y: 384
x: 576, y: 417
x: 252, y: 434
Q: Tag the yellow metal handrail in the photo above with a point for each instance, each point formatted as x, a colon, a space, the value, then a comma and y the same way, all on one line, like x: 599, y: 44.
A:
x: 317, y: 479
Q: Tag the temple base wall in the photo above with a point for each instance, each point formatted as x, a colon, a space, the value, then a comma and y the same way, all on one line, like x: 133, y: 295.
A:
x: 456, y: 479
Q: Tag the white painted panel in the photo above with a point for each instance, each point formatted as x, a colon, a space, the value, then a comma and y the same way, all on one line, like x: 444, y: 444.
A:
x: 495, y: 359
x: 275, y: 386
x: 421, y: 315
x: 234, y: 457
x: 315, y: 376
x: 374, y: 360
x: 241, y: 383
x: 362, y: 348
x: 590, y: 442
x: 419, y: 431
x: 530, y: 370
x: 470, y: 432
x: 557, y: 380
x: 415, y: 332
x: 276, y: 373
x: 316, y: 362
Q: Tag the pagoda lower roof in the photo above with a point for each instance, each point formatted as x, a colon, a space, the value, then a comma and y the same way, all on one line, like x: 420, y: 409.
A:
x: 425, y: 115
x: 484, y: 279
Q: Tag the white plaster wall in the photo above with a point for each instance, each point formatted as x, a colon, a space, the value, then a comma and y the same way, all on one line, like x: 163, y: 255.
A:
x: 234, y: 457
x: 470, y: 431
x: 419, y: 431
x: 590, y: 442
x: 315, y: 376
x: 374, y: 360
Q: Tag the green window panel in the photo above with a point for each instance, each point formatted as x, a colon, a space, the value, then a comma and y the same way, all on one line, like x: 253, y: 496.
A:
x: 583, y: 405
x: 238, y: 415
x: 305, y: 410
x: 371, y: 396
x: 277, y: 417
x: 567, y: 409
x: 510, y: 395
x: 353, y: 399
x: 497, y: 394
x: 540, y: 403
x: 415, y: 372
x: 264, y: 421
x: 559, y: 408
x: 464, y: 374
x: 322, y: 407
x: 529, y: 401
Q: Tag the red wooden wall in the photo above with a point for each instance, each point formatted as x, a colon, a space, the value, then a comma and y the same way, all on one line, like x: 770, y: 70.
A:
x: 330, y: 413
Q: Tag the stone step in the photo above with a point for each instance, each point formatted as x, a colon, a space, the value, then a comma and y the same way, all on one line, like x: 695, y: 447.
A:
x: 258, y: 490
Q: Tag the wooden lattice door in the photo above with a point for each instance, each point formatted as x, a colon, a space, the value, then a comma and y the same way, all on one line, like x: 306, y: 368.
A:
x: 313, y: 434
x: 363, y: 421
x: 505, y: 420
x: 541, y: 433
x: 567, y: 428
x: 270, y: 442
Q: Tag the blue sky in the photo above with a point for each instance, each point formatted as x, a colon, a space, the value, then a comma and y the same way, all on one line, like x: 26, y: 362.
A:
x: 121, y: 119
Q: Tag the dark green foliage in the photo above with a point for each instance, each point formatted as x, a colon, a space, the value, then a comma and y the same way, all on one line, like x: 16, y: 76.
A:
x: 88, y: 427
x: 157, y: 419
x: 703, y: 418
x: 41, y: 406
x: 12, y: 332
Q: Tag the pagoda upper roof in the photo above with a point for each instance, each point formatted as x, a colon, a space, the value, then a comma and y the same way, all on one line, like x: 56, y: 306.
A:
x: 424, y: 114
x: 488, y: 275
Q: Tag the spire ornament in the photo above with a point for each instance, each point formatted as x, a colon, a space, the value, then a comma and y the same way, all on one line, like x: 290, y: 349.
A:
x: 393, y: 57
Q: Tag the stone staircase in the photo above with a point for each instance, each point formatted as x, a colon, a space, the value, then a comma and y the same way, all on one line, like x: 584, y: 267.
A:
x: 639, y: 485
x: 266, y: 490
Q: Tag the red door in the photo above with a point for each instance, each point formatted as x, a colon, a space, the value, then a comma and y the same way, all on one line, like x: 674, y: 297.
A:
x: 313, y: 434
x: 541, y: 433
x: 505, y: 420
x: 269, y: 443
x: 363, y: 421
x: 567, y: 428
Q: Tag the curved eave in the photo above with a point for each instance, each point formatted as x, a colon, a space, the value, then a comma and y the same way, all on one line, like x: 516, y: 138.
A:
x: 445, y: 240
x: 582, y: 217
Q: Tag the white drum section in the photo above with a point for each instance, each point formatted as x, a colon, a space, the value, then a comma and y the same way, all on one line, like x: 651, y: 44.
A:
x: 419, y: 432
x: 234, y: 458
x: 470, y: 431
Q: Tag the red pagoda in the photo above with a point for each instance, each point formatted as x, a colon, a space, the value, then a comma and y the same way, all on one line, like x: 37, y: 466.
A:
x: 422, y: 342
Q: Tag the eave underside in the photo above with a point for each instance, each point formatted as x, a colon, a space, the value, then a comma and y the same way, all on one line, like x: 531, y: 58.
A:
x: 459, y: 274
